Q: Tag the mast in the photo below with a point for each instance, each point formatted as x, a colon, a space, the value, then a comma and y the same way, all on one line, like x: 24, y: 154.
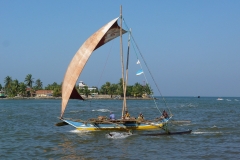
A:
x: 121, y: 54
x: 126, y: 82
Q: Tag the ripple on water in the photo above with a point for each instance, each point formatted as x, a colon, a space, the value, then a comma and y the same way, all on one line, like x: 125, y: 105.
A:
x: 28, y: 131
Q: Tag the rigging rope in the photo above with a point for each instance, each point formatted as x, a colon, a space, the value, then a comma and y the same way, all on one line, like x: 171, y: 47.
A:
x: 105, y: 65
x: 148, y: 71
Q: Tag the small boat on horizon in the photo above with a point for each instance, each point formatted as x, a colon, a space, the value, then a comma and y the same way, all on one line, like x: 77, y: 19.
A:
x: 2, y: 94
x: 219, y: 99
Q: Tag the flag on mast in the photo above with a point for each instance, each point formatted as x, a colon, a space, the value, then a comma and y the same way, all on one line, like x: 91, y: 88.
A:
x: 139, y: 72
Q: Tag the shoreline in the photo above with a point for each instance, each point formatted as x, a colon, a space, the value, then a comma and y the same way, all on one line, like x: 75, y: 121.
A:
x: 59, y: 98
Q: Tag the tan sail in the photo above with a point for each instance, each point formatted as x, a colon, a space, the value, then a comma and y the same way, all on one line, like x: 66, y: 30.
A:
x: 108, y: 32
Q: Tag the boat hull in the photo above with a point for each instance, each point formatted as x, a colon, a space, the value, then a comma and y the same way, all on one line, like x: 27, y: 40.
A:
x: 115, y: 126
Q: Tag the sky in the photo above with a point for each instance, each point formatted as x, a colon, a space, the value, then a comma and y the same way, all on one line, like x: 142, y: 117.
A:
x: 192, y: 48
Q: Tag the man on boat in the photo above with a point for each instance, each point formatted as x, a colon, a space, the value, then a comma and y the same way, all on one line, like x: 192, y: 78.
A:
x: 127, y: 115
x: 112, y: 116
x: 164, y: 115
x: 140, y: 117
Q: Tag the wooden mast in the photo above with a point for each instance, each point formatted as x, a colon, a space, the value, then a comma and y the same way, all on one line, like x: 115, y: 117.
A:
x: 121, y: 54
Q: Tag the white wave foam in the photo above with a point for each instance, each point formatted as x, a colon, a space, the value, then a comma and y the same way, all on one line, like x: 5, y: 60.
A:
x: 102, y: 110
x: 214, y: 126
x: 74, y: 111
x: 118, y: 135
x: 78, y: 131
x: 206, y: 132
x: 187, y: 124
x: 186, y: 105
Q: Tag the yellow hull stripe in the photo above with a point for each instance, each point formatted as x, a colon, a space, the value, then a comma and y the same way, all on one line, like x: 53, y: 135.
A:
x: 145, y: 127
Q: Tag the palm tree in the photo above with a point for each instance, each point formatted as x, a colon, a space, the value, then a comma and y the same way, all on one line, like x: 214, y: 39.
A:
x: 57, y: 92
x: 86, y: 92
x: 113, y: 89
x: 107, y: 87
x: 22, y: 89
x: 120, y: 88
x: 147, y: 89
x: 103, y: 89
x: 15, y: 86
x: 38, y: 84
x: 56, y: 88
x: 137, y: 90
x: 53, y: 86
x: 7, y: 81
x: 129, y: 91
x: 29, y: 80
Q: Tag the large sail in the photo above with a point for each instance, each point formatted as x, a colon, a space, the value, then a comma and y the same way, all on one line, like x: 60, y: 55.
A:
x: 108, y: 32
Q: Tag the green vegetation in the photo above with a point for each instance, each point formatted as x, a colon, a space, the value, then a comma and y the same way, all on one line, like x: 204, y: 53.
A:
x: 137, y: 90
x: 27, y: 88
x: 14, y: 88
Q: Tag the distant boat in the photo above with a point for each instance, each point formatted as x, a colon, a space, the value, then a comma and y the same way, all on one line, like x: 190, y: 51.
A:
x: 2, y: 94
x: 219, y: 99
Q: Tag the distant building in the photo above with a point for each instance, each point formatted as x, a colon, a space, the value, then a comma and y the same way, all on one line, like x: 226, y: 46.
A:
x: 82, y: 85
x: 44, y: 93
x: 30, y: 92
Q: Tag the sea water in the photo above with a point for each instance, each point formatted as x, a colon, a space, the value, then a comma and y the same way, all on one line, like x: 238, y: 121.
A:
x: 28, y: 131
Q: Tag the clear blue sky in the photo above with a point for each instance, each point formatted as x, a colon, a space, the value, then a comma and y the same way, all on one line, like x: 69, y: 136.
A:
x: 191, y: 47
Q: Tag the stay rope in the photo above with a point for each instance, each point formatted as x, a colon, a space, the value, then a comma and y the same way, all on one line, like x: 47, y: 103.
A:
x: 104, y: 65
x: 148, y: 71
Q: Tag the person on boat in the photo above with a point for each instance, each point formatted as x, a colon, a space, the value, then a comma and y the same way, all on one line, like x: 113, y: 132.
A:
x: 112, y: 116
x: 127, y: 115
x: 140, y: 117
x: 165, y: 114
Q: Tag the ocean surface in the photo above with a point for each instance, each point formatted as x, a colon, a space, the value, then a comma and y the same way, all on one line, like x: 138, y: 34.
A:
x: 28, y: 131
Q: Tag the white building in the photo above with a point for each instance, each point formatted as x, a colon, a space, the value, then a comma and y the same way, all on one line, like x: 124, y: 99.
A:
x: 82, y: 85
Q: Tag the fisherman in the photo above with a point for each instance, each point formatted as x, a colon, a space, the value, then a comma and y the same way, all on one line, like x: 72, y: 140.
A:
x: 112, y: 116
x: 127, y: 115
x: 165, y: 114
x: 140, y: 117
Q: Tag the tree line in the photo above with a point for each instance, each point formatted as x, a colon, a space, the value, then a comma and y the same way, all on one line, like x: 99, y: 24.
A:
x: 27, y: 88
